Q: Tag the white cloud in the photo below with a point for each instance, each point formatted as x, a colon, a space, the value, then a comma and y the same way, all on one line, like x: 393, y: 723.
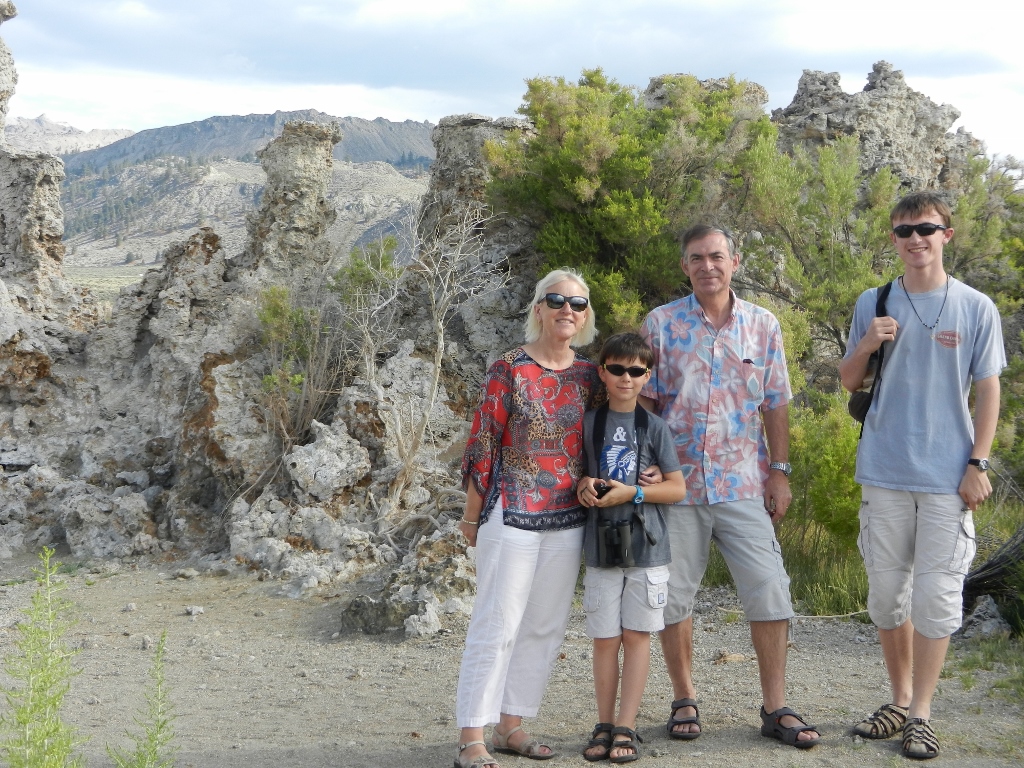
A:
x: 130, y: 10
x: 106, y: 98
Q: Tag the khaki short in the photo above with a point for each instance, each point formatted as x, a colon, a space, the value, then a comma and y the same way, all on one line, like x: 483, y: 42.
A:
x: 745, y: 536
x: 624, y: 598
x: 917, y: 550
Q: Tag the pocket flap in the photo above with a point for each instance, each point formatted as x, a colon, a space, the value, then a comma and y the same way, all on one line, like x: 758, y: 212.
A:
x: 657, y: 575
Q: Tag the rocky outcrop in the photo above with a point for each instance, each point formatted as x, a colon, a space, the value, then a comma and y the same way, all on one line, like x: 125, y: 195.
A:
x: 898, y: 128
x: 286, y: 235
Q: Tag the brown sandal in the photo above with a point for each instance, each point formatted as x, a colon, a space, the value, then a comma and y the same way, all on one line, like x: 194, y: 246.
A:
x: 480, y: 761
x: 884, y: 723
x: 919, y: 740
x: 530, y: 749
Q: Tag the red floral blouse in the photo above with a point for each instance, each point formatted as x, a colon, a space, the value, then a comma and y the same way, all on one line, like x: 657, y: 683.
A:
x: 527, y: 441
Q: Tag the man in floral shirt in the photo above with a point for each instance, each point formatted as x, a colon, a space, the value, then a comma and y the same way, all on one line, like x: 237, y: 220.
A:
x: 720, y: 381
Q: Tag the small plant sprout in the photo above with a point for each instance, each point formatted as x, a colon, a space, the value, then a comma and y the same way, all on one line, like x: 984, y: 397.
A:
x: 153, y: 745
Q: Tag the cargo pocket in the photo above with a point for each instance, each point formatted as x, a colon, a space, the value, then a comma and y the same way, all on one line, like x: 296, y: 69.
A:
x: 657, y: 586
x: 864, y: 537
x: 591, y: 593
x: 966, y: 545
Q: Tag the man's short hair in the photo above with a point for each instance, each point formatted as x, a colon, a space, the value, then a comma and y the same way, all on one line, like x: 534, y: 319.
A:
x: 920, y: 204
x: 700, y: 231
x: 626, y: 346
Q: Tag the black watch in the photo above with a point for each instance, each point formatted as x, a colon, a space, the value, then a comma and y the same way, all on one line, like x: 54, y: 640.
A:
x: 784, y: 467
x: 981, y: 464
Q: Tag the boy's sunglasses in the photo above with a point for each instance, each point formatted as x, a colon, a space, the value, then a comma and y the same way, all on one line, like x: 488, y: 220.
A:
x: 557, y: 301
x: 636, y: 371
x: 924, y: 230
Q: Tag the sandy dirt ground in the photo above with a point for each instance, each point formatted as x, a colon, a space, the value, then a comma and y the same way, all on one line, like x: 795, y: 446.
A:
x: 261, y: 680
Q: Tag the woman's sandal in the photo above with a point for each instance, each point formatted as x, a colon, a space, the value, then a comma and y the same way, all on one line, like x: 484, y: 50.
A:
x: 597, y: 740
x: 530, y: 749
x: 787, y: 734
x: 480, y: 761
x: 884, y: 723
x: 919, y: 740
x: 673, y: 721
x: 632, y: 743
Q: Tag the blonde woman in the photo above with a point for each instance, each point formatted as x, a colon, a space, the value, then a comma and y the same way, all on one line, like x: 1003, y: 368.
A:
x: 522, y: 462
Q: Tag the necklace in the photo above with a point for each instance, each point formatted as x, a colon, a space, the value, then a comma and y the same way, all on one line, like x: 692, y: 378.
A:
x: 931, y: 328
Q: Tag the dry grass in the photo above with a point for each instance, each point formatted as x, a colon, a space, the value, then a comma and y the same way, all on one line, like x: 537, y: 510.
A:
x: 105, y: 282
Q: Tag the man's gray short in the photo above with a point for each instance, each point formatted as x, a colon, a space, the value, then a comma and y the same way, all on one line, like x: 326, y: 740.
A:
x: 745, y: 537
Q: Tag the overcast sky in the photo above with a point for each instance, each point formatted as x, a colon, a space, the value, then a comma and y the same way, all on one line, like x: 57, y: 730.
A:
x: 145, y: 63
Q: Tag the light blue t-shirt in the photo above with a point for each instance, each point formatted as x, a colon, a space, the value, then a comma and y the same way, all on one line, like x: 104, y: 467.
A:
x: 918, y: 433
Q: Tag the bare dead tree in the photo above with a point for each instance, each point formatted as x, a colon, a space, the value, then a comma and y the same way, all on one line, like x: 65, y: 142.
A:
x: 449, y: 265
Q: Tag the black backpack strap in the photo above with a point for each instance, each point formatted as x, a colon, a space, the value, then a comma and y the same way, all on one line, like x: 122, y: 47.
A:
x: 600, y: 419
x: 880, y: 311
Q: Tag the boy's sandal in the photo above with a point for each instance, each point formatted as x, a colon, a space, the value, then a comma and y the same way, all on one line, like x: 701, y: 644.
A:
x: 919, y: 739
x: 884, y: 723
x: 597, y: 740
x: 480, y: 761
x: 787, y: 734
x: 632, y: 743
x: 673, y: 721
x: 531, y: 749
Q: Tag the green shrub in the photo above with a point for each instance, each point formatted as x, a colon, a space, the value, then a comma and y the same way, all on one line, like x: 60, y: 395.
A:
x: 35, y: 734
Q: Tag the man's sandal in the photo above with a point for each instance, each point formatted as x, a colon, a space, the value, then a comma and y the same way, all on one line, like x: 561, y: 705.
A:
x: 480, y: 761
x: 673, y: 721
x: 531, y: 749
x: 919, y: 740
x: 787, y: 734
x: 884, y: 723
x: 633, y: 743
x: 597, y: 740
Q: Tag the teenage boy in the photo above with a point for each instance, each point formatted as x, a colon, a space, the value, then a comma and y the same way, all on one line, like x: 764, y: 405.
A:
x: 625, y: 543
x: 921, y: 461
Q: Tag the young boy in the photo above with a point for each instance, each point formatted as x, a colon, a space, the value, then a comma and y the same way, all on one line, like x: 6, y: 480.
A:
x: 626, y: 541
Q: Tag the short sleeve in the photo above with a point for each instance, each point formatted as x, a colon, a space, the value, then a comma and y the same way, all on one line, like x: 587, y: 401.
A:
x: 989, y: 356
x: 651, y: 333
x: 776, y: 375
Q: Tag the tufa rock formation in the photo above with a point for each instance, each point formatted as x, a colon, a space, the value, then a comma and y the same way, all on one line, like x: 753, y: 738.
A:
x: 898, y: 127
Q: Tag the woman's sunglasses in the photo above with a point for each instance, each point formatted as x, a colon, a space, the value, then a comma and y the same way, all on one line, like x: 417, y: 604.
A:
x: 924, y: 230
x: 557, y: 301
x: 635, y: 371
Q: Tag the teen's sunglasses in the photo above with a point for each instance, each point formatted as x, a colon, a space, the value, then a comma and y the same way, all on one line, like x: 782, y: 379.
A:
x: 927, y: 229
x: 557, y: 301
x: 635, y: 371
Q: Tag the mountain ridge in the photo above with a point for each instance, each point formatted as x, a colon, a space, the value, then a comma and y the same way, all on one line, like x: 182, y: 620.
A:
x: 241, y: 136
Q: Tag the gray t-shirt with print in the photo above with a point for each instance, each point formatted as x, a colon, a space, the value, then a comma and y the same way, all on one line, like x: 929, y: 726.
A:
x: 621, y: 460
x: 919, y: 433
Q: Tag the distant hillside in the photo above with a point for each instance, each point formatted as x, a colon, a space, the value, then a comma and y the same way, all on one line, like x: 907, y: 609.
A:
x: 41, y: 134
x: 238, y: 137
x: 129, y: 217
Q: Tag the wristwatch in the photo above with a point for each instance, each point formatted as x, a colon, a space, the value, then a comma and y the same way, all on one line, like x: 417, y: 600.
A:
x: 784, y: 467
x: 981, y: 464
x: 639, y: 498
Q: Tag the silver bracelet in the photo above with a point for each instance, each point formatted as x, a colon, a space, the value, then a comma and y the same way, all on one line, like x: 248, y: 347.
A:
x: 469, y: 522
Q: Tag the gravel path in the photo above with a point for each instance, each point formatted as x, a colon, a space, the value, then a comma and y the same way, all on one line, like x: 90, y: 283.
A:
x: 259, y: 680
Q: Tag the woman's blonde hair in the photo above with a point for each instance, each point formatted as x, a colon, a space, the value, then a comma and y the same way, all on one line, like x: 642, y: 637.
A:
x: 587, y: 333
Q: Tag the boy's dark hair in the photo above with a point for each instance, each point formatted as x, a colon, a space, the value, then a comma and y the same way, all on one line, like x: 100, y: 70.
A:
x: 626, y: 346
x: 919, y: 204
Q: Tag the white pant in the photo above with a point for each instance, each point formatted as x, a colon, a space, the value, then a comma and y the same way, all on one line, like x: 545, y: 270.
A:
x: 524, y: 587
